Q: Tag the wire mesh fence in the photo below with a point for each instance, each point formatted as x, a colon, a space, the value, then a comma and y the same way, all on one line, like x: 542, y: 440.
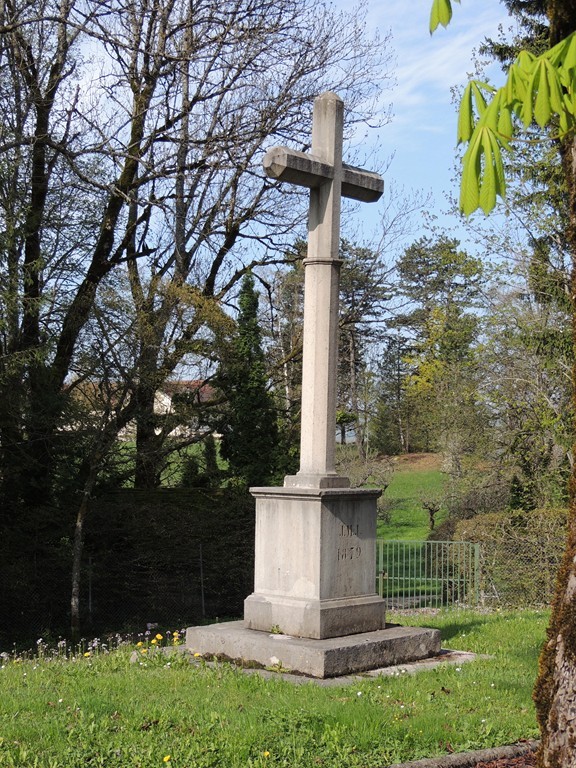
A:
x: 516, y: 575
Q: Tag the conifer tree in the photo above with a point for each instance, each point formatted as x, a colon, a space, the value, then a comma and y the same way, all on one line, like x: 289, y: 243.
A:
x: 249, y: 430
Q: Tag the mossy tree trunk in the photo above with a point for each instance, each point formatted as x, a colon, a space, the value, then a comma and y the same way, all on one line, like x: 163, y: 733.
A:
x: 555, y: 691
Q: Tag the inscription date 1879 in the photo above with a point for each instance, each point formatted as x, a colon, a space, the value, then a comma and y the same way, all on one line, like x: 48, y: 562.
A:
x: 351, y: 551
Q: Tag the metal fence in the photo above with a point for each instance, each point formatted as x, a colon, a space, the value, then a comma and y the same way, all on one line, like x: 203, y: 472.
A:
x: 419, y: 574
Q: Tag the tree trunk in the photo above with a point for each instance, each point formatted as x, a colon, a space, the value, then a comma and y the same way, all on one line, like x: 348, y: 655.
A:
x: 555, y: 691
x: 77, y: 548
x: 358, y: 427
x: 147, y: 472
x: 402, y: 431
x: 88, y: 473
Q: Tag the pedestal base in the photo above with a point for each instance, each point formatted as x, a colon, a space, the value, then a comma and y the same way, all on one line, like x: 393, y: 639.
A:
x: 331, y: 657
x: 315, y: 563
x: 314, y: 618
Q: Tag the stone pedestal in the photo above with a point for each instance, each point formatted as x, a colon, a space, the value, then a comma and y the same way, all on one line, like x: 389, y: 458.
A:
x: 315, y: 563
x: 333, y: 657
x: 314, y: 609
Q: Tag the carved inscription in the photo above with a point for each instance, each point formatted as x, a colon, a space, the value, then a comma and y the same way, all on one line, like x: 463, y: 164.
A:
x: 349, y: 530
x: 349, y: 553
x: 349, y: 547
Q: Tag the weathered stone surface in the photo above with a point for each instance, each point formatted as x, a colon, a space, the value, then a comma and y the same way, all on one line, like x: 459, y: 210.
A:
x: 361, y: 185
x: 329, y: 657
x: 315, y: 562
x: 305, y: 170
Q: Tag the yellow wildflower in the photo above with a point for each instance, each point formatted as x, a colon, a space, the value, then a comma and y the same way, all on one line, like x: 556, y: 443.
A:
x: 266, y: 753
x: 139, y: 644
x: 159, y: 636
x: 166, y: 759
x: 197, y: 655
x: 153, y: 641
x: 143, y: 650
x: 87, y: 654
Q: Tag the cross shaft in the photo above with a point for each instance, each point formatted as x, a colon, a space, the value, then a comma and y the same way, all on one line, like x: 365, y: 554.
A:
x: 323, y: 172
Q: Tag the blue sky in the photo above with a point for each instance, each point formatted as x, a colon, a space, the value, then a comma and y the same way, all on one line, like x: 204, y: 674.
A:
x: 422, y: 134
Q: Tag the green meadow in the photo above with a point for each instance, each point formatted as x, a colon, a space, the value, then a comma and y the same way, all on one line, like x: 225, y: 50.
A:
x: 143, y: 707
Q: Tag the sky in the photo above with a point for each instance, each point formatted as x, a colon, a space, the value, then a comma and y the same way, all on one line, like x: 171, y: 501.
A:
x: 422, y: 134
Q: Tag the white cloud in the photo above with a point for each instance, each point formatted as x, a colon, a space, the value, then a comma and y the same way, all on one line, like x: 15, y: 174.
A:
x: 432, y: 65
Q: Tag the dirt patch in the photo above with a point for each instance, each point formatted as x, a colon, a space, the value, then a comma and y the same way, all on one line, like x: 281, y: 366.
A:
x: 417, y: 462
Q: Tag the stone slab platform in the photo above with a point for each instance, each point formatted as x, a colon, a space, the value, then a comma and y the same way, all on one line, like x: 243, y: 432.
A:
x: 331, y: 657
x: 446, y: 657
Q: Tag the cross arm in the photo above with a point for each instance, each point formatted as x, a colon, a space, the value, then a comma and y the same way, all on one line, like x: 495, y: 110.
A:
x: 362, y: 185
x: 305, y: 170
x: 285, y: 164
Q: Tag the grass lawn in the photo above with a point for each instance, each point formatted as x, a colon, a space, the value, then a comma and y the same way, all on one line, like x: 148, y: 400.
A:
x: 103, y: 710
x: 415, y: 476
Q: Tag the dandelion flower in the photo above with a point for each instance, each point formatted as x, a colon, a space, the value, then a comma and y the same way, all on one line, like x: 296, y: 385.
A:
x: 197, y: 655
x: 143, y: 650
x: 176, y: 634
x: 266, y: 753
x: 159, y: 636
x: 139, y: 644
x: 166, y: 759
x: 153, y: 641
x: 87, y: 654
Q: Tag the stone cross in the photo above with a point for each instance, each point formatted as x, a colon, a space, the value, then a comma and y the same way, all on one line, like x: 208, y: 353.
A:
x: 328, y: 178
x: 314, y: 608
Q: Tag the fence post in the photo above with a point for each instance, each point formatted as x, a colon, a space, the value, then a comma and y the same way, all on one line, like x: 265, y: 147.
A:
x: 380, y: 566
x: 476, y: 574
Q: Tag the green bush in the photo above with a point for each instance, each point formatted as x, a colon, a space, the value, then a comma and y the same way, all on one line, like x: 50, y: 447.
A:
x: 169, y: 556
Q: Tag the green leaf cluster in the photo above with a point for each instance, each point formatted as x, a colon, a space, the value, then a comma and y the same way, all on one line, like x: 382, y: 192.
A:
x: 441, y: 13
x: 538, y: 89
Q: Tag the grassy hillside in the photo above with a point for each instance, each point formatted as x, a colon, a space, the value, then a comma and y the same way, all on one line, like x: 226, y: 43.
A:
x: 416, y: 476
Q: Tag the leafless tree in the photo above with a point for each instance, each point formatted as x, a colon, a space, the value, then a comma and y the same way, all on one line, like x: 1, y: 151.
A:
x: 131, y: 136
